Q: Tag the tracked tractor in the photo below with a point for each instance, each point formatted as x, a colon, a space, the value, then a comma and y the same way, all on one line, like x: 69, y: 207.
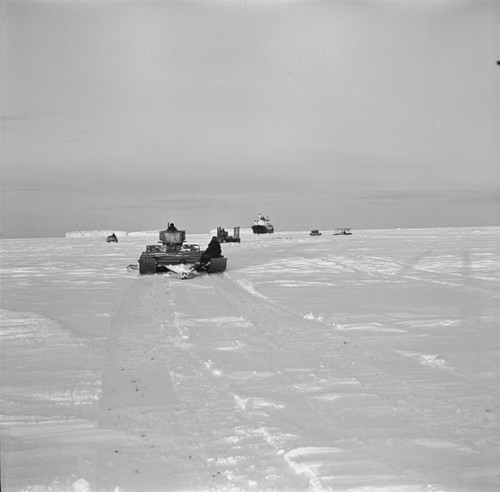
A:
x: 172, y: 250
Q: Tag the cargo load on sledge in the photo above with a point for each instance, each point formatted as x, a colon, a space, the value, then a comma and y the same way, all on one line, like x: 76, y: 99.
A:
x: 224, y: 237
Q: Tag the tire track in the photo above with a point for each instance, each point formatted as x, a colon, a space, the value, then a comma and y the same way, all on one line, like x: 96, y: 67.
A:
x: 444, y: 278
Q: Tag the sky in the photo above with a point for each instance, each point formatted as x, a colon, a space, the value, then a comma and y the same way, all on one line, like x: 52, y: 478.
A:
x: 131, y: 114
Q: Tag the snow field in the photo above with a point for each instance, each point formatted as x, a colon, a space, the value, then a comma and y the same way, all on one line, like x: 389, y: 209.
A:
x: 366, y: 362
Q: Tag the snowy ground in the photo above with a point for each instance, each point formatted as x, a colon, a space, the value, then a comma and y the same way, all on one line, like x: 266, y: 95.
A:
x: 364, y: 362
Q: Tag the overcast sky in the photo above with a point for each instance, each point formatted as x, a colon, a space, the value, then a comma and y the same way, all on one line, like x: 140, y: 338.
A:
x: 364, y: 114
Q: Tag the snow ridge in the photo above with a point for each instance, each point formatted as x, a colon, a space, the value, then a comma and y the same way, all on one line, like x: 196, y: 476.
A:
x: 95, y: 233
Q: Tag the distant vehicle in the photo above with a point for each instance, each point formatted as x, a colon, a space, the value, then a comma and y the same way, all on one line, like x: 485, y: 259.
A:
x: 262, y: 225
x: 174, y: 251
x: 315, y: 232
x: 112, y: 238
x: 224, y: 237
x: 344, y: 231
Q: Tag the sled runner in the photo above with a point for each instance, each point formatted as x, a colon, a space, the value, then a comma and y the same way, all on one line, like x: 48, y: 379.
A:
x: 185, y: 271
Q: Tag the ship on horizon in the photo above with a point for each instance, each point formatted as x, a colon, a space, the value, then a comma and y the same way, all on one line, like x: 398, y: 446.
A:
x: 262, y: 225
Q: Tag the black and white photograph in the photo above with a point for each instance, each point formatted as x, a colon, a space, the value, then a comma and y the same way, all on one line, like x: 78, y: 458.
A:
x: 250, y: 245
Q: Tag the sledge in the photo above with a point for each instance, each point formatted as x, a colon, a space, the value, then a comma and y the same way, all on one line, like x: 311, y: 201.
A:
x: 343, y: 231
x: 185, y: 272
x: 224, y: 237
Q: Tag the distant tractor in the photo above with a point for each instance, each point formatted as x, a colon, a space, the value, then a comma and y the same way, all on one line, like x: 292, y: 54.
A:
x: 112, y: 238
x: 344, y: 231
x: 315, y: 232
x: 224, y: 237
x: 172, y: 250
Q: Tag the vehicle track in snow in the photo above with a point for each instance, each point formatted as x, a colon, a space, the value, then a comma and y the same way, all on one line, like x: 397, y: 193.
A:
x: 318, y: 397
x: 369, y: 391
x: 160, y: 367
x: 205, y: 382
x: 379, y: 267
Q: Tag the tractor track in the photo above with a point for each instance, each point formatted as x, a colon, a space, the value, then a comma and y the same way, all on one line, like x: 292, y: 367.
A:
x: 409, y: 271
x: 174, y: 340
x: 307, y: 379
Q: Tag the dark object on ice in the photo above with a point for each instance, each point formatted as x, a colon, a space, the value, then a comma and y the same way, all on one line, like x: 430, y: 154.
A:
x: 224, y: 237
x: 213, y: 250
x: 344, y: 231
x: 171, y: 227
x: 212, y: 253
x: 174, y: 251
x: 262, y: 225
x: 315, y: 232
x: 112, y: 238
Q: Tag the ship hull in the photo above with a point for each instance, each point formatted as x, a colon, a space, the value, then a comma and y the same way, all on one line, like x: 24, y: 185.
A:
x: 261, y: 229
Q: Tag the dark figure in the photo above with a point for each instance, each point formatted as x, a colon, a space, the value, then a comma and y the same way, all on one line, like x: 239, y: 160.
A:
x: 171, y: 227
x: 213, y: 251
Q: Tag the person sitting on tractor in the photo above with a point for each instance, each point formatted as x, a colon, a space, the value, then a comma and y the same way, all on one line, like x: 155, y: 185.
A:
x: 171, y: 227
x: 213, y: 251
